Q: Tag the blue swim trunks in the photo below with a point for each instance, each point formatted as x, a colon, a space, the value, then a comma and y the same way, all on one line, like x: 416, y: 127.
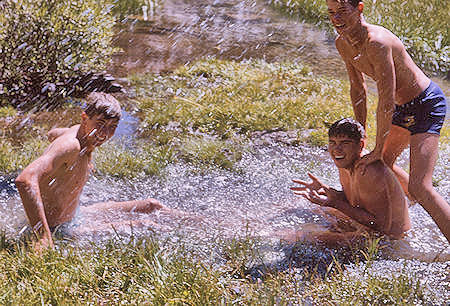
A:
x: 424, y: 114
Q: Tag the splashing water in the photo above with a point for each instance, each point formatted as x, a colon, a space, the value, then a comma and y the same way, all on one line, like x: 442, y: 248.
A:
x: 219, y: 203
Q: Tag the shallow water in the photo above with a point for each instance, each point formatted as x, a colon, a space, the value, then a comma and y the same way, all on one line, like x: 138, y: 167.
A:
x: 184, y: 31
x: 254, y: 202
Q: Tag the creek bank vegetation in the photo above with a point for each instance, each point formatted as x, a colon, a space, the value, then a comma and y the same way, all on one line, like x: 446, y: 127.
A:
x: 152, y: 272
x: 205, y: 113
x: 428, y: 45
x: 52, y: 49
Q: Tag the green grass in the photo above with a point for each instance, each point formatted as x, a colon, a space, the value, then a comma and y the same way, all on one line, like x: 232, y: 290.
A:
x: 149, y: 272
x: 7, y: 111
x: 428, y: 45
x: 15, y: 157
x: 223, y: 98
x: 116, y: 160
x: 202, y: 114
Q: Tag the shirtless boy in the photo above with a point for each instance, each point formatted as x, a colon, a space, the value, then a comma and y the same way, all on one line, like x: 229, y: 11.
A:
x: 50, y: 187
x: 411, y: 108
x: 374, y: 199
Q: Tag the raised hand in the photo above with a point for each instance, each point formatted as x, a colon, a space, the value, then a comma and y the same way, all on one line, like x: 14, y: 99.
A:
x: 316, y: 191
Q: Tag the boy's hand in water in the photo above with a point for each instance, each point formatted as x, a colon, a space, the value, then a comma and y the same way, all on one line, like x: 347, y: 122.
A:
x: 316, y: 192
x: 43, y: 244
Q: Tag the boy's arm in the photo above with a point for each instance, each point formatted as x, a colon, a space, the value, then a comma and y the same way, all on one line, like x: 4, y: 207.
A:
x: 358, y: 214
x: 358, y: 94
x: 358, y: 88
x: 323, y: 195
x: 28, y: 186
x: 382, y: 61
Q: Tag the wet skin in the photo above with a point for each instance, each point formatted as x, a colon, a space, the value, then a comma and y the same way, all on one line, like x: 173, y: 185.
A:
x: 374, y: 199
x: 374, y: 51
x: 50, y: 187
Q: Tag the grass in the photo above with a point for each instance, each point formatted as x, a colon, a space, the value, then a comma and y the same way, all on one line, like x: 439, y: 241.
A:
x: 201, y: 114
x: 428, y: 45
x: 155, y: 273
x: 114, y: 159
x: 15, y: 157
x: 226, y: 98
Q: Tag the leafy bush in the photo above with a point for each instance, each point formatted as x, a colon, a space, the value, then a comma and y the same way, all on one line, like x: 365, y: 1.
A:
x: 45, y: 43
x: 427, y: 44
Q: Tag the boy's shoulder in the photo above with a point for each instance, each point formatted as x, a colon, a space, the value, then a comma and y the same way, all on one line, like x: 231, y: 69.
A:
x: 374, y: 174
x: 64, y: 141
x: 54, y: 133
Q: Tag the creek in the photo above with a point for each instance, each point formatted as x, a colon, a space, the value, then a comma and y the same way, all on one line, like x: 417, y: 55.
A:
x: 254, y: 201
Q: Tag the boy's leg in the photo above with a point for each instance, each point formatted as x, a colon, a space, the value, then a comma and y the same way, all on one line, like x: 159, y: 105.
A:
x: 141, y: 206
x: 396, y: 142
x: 424, y: 152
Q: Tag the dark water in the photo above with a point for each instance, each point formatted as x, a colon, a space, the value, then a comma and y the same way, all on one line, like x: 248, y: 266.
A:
x: 255, y: 201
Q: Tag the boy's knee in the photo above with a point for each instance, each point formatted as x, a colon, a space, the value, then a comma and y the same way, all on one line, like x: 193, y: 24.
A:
x: 419, y: 190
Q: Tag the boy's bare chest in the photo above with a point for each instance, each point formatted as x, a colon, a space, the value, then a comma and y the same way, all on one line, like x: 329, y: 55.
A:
x: 359, y: 58
x: 69, y: 179
x: 362, y: 62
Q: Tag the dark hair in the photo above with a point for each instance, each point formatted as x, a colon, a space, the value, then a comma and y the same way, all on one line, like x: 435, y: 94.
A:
x: 102, y: 103
x: 354, y: 3
x: 347, y: 127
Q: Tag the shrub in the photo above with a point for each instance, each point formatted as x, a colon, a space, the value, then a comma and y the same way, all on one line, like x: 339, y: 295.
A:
x: 428, y: 45
x: 43, y: 44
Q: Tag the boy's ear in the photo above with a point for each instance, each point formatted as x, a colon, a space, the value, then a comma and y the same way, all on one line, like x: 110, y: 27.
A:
x: 360, y: 7
x: 362, y: 144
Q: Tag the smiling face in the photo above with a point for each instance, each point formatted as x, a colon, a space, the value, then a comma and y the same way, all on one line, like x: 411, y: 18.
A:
x: 344, y: 150
x: 343, y: 15
x: 98, y: 129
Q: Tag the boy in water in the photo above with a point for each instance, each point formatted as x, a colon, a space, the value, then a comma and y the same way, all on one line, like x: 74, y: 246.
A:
x: 50, y: 187
x: 374, y: 199
x: 411, y: 108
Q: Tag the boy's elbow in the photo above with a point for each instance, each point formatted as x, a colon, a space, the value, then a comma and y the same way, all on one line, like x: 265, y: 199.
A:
x: 23, y: 181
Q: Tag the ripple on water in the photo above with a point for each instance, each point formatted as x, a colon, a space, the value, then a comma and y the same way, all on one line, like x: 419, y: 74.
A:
x: 255, y: 202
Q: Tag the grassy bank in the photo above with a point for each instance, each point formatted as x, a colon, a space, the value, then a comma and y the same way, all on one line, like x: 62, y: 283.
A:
x: 202, y: 113
x: 148, y: 272
x: 428, y: 45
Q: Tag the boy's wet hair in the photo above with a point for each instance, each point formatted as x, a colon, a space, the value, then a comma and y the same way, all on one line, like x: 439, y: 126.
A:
x: 354, y: 3
x: 347, y: 127
x: 102, y: 103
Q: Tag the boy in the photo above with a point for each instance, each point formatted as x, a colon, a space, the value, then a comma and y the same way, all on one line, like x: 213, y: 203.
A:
x: 411, y: 108
x: 374, y: 199
x: 50, y: 187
